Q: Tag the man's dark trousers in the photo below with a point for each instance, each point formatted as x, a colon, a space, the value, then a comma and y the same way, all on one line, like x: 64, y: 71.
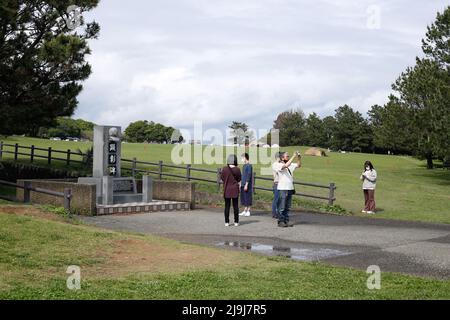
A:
x: 284, y: 205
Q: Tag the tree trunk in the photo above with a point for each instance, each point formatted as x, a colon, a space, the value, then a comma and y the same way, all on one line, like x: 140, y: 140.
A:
x: 430, y: 164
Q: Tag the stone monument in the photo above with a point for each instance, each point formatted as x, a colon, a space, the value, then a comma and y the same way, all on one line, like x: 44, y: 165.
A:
x: 107, y: 151
x: 111, y: 187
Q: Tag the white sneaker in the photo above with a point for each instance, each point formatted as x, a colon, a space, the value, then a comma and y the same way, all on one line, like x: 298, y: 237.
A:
x: 370, y: 212
x: 364, y: 211
x: 243, y: 214
x: 247, y: 214
x: 236, y: 224
x: 227, y: 224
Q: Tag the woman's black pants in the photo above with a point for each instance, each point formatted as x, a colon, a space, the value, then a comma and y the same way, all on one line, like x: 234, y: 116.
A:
x: 235, y: 208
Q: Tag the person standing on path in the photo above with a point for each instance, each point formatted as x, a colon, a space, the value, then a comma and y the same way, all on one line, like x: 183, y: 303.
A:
x: 246, y: 185
x: 275, y: 188
x: 285, y: 170
x: 231, y: 177
x: 369, y: 179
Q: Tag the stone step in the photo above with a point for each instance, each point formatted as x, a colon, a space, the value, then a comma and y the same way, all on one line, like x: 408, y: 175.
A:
x: 140, y: 207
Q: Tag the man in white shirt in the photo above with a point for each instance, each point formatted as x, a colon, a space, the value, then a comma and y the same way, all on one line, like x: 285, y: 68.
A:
x: 275, y: 187
x: 285, y: 169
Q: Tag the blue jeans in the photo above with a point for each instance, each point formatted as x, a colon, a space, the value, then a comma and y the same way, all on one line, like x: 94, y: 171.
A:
x: 276, y: 196
x: 284, y: 205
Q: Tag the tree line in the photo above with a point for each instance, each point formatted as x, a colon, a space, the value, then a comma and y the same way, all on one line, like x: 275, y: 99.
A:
x: 137, y: 132
x: 346, y: 130
x: 151, y: 132
x: 68, y: 128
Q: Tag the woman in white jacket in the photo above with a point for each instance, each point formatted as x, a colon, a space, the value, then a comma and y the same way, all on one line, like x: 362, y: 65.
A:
x: 369, y: 178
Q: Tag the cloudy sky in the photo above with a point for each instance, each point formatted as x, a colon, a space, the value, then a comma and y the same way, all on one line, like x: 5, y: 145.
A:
x: 180, y: 61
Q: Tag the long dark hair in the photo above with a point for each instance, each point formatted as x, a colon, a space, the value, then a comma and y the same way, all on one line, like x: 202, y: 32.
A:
x: 369, y: 164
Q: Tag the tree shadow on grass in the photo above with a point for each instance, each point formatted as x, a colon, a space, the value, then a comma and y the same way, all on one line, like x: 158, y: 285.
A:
x: 439, y: 175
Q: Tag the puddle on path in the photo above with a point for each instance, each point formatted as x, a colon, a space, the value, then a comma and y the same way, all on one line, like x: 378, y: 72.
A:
x: 304, y: 254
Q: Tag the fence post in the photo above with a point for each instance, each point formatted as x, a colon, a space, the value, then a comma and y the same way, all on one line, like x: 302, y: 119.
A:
x: 32, y: 154
x: 1, y: 150
x: 331, y: 196
x: 68, y: 157
x: 160, y: 168
x: 16, y: 151
x: 27, y: 192
x: 188, y: 172
x: 67, y: 198
x: 133, y: 168
x: 219, y: 179
x: 49, y: 159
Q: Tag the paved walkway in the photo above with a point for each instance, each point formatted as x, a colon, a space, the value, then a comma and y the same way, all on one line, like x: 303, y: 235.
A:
x: 407, y: 247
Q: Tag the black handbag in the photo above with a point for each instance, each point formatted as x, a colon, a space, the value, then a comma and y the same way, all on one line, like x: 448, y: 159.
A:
x: 232, y: 173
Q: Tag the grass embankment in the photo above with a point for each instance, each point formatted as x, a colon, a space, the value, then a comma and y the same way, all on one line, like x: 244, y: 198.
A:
x: 406, y: 189
x: 36, y: 247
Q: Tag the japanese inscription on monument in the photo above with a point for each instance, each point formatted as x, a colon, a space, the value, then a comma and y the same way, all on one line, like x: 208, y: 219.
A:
x: 112, y: 158
x: 107, y: 149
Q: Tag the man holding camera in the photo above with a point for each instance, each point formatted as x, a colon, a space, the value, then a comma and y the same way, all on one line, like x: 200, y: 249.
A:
x: 285, y: 169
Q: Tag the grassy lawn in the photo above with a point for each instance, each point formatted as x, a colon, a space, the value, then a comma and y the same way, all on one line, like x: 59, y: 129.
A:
x: 36, y: 247
x: 406, y: 189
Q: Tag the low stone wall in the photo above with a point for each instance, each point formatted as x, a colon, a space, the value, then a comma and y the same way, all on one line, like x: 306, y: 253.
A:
x: 13, y: 171
x: 182, y: 191
x: 83, y: 196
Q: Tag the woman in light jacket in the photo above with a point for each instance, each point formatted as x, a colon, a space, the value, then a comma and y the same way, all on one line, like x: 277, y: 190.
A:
x: 369, y: 179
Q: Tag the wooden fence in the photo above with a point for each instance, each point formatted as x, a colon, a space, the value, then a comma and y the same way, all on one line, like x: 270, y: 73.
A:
x: 185, y: 172
x: 66, y: 195
x: 17, y: 150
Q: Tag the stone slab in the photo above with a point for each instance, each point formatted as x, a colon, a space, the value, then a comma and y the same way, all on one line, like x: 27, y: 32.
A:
x: 142, y: 207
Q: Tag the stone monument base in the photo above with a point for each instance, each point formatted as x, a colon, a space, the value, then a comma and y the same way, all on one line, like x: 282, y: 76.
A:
x: 110, y: 190
x: 142, y: 207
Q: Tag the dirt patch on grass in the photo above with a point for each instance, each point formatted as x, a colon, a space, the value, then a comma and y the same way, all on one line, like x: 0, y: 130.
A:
x: 131, y: 256
x: 29, y: 211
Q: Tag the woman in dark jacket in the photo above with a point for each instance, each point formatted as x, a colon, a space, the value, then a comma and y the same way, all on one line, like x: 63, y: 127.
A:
x: 231, y: 176
x: 246, y: 185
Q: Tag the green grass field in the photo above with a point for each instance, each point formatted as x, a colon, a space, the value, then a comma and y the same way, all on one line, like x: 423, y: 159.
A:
x: 406, y: 189
x: 37, y: 246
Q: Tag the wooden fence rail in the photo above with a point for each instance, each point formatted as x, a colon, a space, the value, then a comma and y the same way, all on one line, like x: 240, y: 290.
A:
x: 66, y: 195
x: 49, y: 153
x: 187, y: 170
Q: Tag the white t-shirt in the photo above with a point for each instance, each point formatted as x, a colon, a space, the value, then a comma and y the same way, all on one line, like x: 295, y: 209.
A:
x: 285, y: 178
x: 275, y: 173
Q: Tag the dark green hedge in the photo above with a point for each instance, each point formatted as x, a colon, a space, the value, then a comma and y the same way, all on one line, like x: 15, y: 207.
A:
x: 12, y: 171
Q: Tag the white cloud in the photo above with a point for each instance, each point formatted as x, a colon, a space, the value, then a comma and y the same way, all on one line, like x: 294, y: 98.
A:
x: 177, y: 61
